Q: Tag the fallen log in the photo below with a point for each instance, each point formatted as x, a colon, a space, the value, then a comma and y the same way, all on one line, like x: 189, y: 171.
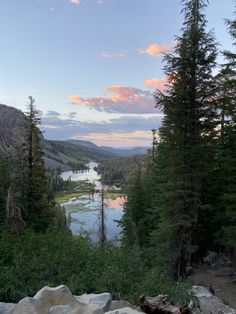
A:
x: 160, y: 305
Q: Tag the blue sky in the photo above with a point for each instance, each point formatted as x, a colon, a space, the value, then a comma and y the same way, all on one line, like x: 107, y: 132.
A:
x: 92, y: 65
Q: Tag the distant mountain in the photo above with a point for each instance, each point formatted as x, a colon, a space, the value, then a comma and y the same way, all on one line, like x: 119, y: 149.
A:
x: 126, y: 151
x: 81, y: 150
x: 129, y: 151
x: 65, y: 155
x: 82, y: 143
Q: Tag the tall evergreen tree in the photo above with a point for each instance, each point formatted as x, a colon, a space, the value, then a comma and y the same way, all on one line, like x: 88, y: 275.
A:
x: 227, y: 142
x: 187, y: 129
x: 38, y: 213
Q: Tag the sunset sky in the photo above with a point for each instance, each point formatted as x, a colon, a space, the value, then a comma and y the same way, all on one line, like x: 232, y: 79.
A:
x: 92, y: 65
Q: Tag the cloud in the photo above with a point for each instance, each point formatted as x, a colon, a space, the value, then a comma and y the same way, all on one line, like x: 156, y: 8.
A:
x: 119, y: 139
x: 75, y: 1
x: 119, y: 99
x: 53, y: 113
x: 119, y: 54
x: 123, y: 131
x: 155, y: 84
x: 155, y: 50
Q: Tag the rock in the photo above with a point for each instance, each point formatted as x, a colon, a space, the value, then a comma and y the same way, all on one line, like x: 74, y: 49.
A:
x: 119, y: 304
x: 62, y: 309
x: 200, y: 291
x: 124, y: 310
x: 103, y: 300
x: 27, y: 306
x: 57, y: 299
x: 215, y: 259
x: 67, y: 309
x: 194, y: 307
x: 6, y: 308
x: 208, y: 303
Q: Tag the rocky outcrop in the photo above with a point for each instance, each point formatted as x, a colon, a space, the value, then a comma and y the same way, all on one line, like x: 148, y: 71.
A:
x: 6, y: 308
x: 103, y: 300
x: 60, y: 300
x: 208, y: 303
x: 57, y: 300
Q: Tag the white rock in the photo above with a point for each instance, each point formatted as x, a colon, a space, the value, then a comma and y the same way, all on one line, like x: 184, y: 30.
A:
x: 119, y: 304
x: 6, y: 308
x: 57, y: 299
x: 62, y: 309
x: 82, y: 309
x: 60, y: 295
x: 124, y: 310
x: 200, y: 291
x: 27, y: 306
x: 208, y: 303
x: 103, y: 300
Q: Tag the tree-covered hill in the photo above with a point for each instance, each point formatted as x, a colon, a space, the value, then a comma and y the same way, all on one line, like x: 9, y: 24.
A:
x: 64, y: 155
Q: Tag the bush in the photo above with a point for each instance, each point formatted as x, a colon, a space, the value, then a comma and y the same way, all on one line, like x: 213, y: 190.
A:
x: 32, y: 260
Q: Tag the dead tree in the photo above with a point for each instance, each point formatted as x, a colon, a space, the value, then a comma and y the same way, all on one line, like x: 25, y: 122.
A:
x: 102, y: 227
x: 160, y: 305
x: 14, y: 218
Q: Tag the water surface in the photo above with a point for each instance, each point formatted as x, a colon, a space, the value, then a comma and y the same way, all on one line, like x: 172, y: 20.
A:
x: 84, y: 212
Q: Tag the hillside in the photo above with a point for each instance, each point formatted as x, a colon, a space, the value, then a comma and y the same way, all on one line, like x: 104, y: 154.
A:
x: 12, y: 132
x: 64, y: 155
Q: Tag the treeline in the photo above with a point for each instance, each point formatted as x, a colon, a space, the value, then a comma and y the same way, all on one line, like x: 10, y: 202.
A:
x: 183, y: 201
x: 118, y: 170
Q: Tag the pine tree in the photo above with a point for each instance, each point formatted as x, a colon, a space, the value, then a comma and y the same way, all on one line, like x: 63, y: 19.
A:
x: 134, y: 211
x: 39, y: 214
x: 188, y: 127
x: 227, y: 143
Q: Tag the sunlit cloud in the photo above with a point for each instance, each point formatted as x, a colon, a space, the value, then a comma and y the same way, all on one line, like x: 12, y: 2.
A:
x: 119, y: 54
x: 119, y: 99
x: 155, y: 83
x: 155, y: 50
x: 119, y: 139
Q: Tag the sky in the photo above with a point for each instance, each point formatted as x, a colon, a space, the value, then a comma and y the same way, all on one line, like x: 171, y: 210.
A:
x: 93, y: 65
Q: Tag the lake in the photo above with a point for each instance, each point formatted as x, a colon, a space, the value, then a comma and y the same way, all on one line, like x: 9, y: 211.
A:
x: 84, y: 212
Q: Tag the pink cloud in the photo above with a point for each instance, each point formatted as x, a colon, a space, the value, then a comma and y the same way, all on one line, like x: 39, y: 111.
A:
x: 155, y: 50
x: 120, y: 99
x: 155, y: 84
x: 119, y: 139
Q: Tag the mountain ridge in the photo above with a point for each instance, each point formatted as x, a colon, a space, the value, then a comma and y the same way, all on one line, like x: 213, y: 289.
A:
x: 63, y: 155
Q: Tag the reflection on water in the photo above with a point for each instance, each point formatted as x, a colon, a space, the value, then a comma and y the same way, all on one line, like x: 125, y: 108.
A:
x: 84, y: 216
x: 84, y: 211
x: 90, y: 175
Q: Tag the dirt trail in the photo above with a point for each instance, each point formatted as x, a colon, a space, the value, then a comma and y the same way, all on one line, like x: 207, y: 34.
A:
x: 221, y: 279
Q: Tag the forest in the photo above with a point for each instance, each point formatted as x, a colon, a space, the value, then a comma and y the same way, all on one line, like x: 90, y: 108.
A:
x: 181, y: 195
